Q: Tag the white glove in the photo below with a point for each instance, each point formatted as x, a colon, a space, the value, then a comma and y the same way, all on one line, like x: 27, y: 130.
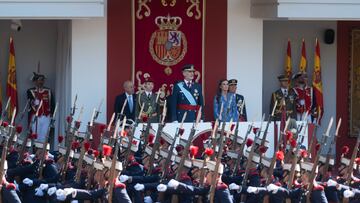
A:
x: 234, y: 186
x: 28, y: 182
x: 161, y: 188
x: 36, y: 102
x: 124, y: 178
x: 71, y: 191
x: 331, y: 183
x: 348, y: 194
x: 147, y: 199
x: 302, y: 102
x: 51, y: 191
x: 175, y: 122
x: 39, y: 192
x: 272, y: 188
x: 74, y: 201
x: 139, y: 187
x: 60, y: 195
x: 50, y: 156
x: 252, y: 190
x: 44, y: 186
x: 173, y: 183
x: 32, y: 156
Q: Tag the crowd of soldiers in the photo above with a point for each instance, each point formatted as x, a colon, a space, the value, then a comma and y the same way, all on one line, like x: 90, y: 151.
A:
x: 157, y: 167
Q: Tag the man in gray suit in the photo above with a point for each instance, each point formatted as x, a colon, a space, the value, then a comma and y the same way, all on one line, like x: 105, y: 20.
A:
x: 151, y: 106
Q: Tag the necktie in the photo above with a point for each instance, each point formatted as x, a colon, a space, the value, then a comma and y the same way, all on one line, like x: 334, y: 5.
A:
x: 189, y: 84
x: 130, y: 101
x: 285, y: 93
x: 148, y: 96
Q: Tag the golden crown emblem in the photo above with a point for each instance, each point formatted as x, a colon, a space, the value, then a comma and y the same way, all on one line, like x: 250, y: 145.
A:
x: 168, y: 23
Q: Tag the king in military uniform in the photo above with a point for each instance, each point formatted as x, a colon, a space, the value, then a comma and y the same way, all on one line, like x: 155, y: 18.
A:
x: 285, y: 97
x: 303, y: 95
x: 186, y: 97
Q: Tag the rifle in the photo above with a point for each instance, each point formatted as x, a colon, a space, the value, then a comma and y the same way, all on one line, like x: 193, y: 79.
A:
x: 186, y: 152
x: 165, y: 168
x: 273, y: 160
x: 43, y: 156
x: 271, y: 116
x: 4, y: 112
x: 70, y: 139
x: 4, y: 150
x: 217, y: 165
x: 157, y: 140
x: 249, y: 160
x: 313, y: 137
x: 115, y: 155
x: 328, y: 155
x: 22, y: 150
x: 241, y: 151
x: 97, y: 112
x: 82, y: 152
x: 313, y: 170
x: 131, y: 136
x: 295, y: 155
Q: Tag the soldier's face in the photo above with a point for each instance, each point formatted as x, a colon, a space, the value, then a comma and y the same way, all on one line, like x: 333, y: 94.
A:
x: 149, y: 86
x: 232, y: 88
x: 39, y: 83
x: 284, y: 83
x: 188, y: 75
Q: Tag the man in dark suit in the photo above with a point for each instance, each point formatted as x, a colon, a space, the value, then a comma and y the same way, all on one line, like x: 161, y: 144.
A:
x: 130, y: 98
x: 285, y: 97
x: 186, y: 97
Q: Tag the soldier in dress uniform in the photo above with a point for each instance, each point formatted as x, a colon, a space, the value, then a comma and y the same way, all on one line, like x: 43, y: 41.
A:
x: 285, y: 97
x: 186, y: 96
x: 35, y: 95
x: 148, y: 98
x: 240, y: 101
x: 303, y: 95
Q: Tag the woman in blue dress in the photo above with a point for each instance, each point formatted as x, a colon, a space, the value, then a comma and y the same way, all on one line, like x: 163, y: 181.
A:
x: 228, y: 101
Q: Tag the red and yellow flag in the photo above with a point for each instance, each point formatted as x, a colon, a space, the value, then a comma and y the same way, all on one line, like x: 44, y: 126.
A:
x: 288, y: 66
x: 11, y: 88
x: 317, y: 85
x: 303, y: 61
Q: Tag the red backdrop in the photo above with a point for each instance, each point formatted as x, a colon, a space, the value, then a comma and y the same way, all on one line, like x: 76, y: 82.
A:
x: 342, y: 83
x: 119, y: 49
x: 166, y: 40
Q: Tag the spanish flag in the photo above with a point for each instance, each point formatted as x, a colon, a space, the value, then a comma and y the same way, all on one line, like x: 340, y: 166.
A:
x: 288, y: 66
x: 303, y: 61
x: 11, y: 88
x: 317, y: 85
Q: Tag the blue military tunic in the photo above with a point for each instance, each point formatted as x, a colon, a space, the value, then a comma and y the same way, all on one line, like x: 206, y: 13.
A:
x: 186, y: 99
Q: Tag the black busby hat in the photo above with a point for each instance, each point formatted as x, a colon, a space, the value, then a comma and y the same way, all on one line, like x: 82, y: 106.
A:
x: 233, y: 82
x: 37, y: 76
x: 188, y: 67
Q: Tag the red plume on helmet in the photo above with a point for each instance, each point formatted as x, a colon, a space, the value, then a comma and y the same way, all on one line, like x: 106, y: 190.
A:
x: 209, y: 152
x: 289, y: 135
x: 345, y: 150
x: 151, y: 138
x: 60, y: 138
x: 87, y: 146
x: 249, y: 142
x: 262, y: 149
x: 193, y: 151
x: 19, y: 129
x: 107, y: 150
x: 293, y: 143
x: 303, y: 153
x: 280, y: 155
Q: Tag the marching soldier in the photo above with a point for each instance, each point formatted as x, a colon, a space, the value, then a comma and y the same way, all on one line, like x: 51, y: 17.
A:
x: 151, y: 106
x: 285, y: 97
x: 240, y: 101
x: 35, y: 95
x: 186, y: 96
